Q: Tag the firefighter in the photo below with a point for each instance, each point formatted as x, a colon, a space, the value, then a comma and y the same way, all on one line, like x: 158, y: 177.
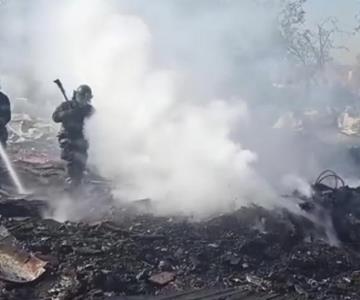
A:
x: 74, y: 146
x: 5, y: 117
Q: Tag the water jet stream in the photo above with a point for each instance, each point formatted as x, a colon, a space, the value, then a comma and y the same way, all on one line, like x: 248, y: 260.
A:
x: 14, y: 177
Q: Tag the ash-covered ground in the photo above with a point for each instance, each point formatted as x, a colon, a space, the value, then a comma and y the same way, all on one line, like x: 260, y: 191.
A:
x: 126, y: 252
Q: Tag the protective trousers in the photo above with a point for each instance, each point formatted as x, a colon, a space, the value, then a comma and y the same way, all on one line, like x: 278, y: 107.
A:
x: 74, y: 152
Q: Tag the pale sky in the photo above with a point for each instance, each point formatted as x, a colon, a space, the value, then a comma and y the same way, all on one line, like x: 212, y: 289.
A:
x: 345, y: 11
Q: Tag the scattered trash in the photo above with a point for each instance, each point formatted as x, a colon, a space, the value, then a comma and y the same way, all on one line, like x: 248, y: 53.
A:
x: 24, y: 128
x: 128, y: 251
x: 349, y: 122
x: 162, y: 278
x: 19, y: 269
x: 16, y: 265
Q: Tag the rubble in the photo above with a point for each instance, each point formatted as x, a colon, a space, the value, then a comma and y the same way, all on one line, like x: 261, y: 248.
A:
x: 309, y: 120
x: 289, y: 121
x: 19, y: 267
x: 127, y: 253
x: 16, y: 265
x: 140, y: 254
x: 163, y: 278
x: 12, y: 207
x: 349, y: 122
x: 26, y: 128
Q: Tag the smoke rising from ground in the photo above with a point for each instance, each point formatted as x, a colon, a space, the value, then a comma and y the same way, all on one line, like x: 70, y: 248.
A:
x: 182, y: 91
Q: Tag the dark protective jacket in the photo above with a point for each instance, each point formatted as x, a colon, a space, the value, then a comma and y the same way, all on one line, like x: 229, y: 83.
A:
x: 73, y: 144
x: 72, y: 117
x: 5, y: 111
x: 5, y: 116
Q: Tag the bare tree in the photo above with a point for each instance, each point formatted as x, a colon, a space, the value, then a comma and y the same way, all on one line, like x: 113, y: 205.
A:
x: 311, y: 48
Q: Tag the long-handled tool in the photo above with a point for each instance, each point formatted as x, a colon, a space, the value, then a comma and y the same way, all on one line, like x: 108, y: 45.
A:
x: 61, y: 87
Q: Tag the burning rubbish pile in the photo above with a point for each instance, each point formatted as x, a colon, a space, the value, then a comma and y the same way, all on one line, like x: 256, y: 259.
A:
x: 191, y: 126
x: 252, y: 253
x: 125, y: 252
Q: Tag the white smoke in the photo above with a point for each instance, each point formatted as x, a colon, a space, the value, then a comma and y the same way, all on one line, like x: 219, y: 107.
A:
x: 154, y: 140
x: 164, y: 75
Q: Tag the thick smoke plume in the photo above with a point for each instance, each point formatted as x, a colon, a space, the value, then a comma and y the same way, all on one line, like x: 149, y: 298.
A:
x: 181, y: 89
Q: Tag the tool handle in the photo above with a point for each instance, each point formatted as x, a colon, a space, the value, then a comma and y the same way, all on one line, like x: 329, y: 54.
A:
x: 60, y: 86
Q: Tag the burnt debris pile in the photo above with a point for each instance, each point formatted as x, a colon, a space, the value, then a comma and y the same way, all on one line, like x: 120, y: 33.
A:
x: 252, y: 252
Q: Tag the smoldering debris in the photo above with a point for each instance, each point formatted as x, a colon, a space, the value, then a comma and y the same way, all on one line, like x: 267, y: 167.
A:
x: 113, y: 251
x: 253, y: 252
x: 30, y: 134
x: 16, y: 265
x: 25, y: 128
x: 153, y: 87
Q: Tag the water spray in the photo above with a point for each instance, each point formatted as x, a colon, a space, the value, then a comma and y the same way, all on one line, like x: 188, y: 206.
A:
x: 14, y: 177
